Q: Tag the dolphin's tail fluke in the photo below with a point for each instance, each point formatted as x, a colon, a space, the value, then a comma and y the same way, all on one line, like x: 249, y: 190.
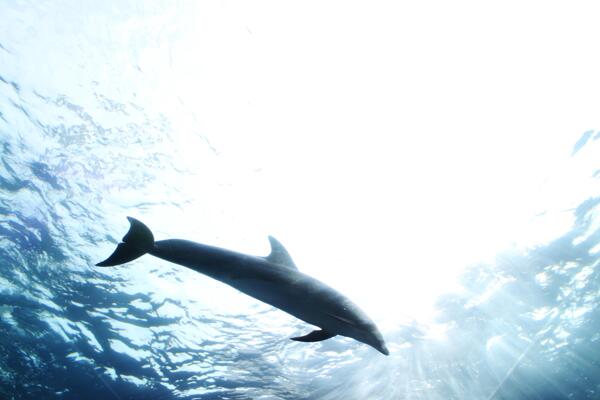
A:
x: 137, y: 242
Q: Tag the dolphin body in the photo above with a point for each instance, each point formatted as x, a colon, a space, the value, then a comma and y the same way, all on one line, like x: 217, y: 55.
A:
x: 274, y: 279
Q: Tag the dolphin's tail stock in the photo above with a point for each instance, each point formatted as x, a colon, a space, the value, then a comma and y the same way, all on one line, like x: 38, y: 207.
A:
x: 137, y: 242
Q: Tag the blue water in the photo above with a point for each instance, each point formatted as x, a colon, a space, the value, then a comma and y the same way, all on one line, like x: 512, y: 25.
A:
x: 84, y: 142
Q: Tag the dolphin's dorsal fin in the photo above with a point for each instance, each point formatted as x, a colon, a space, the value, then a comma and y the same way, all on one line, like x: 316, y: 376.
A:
x: 279, y: 255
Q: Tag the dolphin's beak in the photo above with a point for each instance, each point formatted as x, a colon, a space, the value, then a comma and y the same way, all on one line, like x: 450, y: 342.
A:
x: 383, y: 349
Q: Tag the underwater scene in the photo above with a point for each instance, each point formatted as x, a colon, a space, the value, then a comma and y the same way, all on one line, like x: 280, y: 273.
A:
x: 410, y: 192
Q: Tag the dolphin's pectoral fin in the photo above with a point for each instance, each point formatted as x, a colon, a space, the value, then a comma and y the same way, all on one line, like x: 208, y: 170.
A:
x: 279, y: 255
x: 314, y: 336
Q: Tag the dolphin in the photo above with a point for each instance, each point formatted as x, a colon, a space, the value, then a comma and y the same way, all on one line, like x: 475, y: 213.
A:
x: 274, y: 279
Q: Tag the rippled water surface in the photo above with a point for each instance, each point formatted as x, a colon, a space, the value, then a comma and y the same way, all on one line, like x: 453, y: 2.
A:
x: 93, y: 129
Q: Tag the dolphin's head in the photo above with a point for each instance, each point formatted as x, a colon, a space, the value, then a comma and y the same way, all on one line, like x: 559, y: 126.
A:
x: 373, y: 338
x: 381, y: 347
x: 358, y: 326
x: 369, y: 334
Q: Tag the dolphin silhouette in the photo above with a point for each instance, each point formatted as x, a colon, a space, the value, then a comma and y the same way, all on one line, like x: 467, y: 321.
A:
x: 274, y: 279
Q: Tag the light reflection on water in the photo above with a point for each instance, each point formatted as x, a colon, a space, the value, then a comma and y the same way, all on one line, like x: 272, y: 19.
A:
x: 523, y: 324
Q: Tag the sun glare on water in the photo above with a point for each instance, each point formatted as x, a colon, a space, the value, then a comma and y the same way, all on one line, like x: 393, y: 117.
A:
x: 383, y: 176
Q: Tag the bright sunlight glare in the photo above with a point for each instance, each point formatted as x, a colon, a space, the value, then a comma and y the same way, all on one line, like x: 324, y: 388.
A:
x: 384, y: 152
